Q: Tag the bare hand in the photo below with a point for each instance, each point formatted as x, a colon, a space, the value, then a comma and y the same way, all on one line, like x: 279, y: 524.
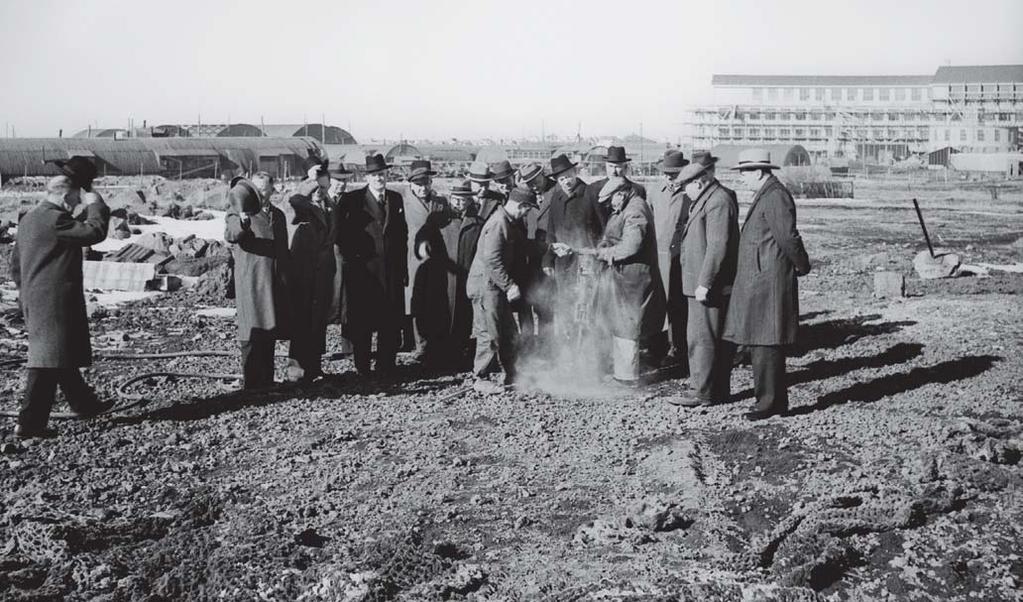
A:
x: 514, y: 294
x: 548, y: 271
x: 701, y: 294
x: 561, y: 249
x: 424, y: 249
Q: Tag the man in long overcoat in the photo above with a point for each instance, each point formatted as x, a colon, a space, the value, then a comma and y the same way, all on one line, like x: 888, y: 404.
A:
x: 670, y: 207
x: 446, y: 245
x: 315, y: 290
x: 48, y: 253
x: 571, y: 220
x: 540, y: 293
x: 631, y: 296
x: 373, y: 237
x: 710, y: 242
x: 764, y: 311
x: 262, y: 270
x: 421, y: 201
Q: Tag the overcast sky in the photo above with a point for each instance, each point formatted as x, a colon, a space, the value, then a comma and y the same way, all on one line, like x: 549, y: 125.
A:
x: 455, y: 68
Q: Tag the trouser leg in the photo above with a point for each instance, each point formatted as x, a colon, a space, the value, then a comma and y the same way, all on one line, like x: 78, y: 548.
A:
x: 257, y: 361
x: 704, y: 326
x: 79, y: 395
x: 486, y: 344
x: 40, y: 389
x: 506, y: 338
x: 769, y: 377
x: 361, y: 343
x: 387, y: 346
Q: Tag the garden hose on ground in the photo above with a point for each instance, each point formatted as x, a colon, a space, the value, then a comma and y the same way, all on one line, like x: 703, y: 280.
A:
x: 134, y: 399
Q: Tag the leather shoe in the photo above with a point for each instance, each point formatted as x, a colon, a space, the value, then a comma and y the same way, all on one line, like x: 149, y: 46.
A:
x: 756, y: 415
x: 689, y: 401
x: 97, y: 408
x: 43, y: 433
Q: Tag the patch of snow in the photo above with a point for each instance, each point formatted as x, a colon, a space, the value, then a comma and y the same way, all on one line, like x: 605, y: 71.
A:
x: 217, y: 312
x: 210, y: 229
x: 114, y: 298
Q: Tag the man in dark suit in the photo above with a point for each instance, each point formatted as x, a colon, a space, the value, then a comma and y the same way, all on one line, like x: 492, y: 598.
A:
x: 764, y: 310
x: 539, y: 293
x: 616, y: 165
x: 262, y: 272
x: 670, y: 207
x: 710, y: 242
x: 373, y: 238
x: 48, y: 254
x: 421, y: 201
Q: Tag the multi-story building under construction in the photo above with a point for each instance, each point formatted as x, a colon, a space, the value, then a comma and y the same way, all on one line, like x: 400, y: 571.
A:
x: 971, y: 109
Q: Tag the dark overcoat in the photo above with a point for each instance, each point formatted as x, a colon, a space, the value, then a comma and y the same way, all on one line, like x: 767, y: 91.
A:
x: 438, y: 296
x: 262, y: 271
x: 417, y: 211
x: 710, y: 242
x: 572, y: 219
x: 314, y: 287
x: 764, y: 309
x: 488, y: 201
x: 373, y: 239
x: 671, y: 209
x: 631, y: 294
x: 48, y: 252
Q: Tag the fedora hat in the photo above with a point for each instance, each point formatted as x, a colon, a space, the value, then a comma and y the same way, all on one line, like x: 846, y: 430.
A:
x: 375, y: 163
x: 461, y: 189
x: 502, y: 170
x: 616, y: 154
x: 420, y: 168
x: 673, y: 162
x: 561, y: 164
x: 529, y: 171
x: 705, y: 158
x: 244, y: 196
x: 754, y: 158
x: 479, y: 172
x: 81, y: 170
x: 523, y: 196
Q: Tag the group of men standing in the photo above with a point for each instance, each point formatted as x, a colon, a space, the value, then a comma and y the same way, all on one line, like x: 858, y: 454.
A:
x: 486, y: 272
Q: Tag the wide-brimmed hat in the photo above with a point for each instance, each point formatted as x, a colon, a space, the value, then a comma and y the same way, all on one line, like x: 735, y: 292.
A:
x: 529, y: 171
x: 754, y: 158
x: 523, y: 196
x: 673, y: 162
x: 81, y: 170
x: 480, y: 172
x: 463, y: 188
x: 705, y: 158
x: 375, y: 163
x: 616, y: 154
x: 561, y: 164
x: 502, y: 170
x: 244, y: 197
x: 420, y: 168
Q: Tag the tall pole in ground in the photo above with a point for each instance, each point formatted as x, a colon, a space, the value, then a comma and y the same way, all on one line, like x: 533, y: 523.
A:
x: 920, y: 216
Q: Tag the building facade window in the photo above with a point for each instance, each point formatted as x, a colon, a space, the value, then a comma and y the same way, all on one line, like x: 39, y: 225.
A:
x: 772, y: 94
x: 790, y: 93
x: 758, y: 93
x: 768, y: 132
x: 948, y: 134
x: 818, y: 94
x: 754, y: 132
x: 784, y: 132
x: 850, y: 93
x: 883, y: 95
x: 997, y: 135
x: 916, y: 94
x: 723, y: 132
x: 836, y: 94
x: 815, y: 133
x: 962, y: 135
x: 980, y: 135
x: 769, y: 117
x: 868, y: 94
x: 900, y: 94
x: 737, y: 132
x: 799, y: 132
x: 804, y: 94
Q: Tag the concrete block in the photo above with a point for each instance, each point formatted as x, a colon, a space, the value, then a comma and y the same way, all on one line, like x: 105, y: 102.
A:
x: 942, y: 265
x: 889, y: 285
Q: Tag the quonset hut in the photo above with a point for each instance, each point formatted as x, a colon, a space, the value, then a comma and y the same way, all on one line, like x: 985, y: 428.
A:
x: 170, y: 157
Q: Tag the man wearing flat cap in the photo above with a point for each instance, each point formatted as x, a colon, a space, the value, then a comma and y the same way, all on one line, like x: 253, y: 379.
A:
x: 670, y: 207
x: 373, y: 238
x: 315, y: 284
x: 764, y: 310
x: 710, y: 240
x: 495, y: 283
x: 420, y: 201
x: 446, y: 246
x: 616, y: 166
x: 48, y: 256
x: 262, y: 271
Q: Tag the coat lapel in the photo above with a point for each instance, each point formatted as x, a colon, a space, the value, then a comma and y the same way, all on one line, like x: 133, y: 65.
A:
x: 756, y: 199
x: 700, y: 204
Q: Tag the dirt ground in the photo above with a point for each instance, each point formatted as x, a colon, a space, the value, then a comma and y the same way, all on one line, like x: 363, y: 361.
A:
x: 896, y: 476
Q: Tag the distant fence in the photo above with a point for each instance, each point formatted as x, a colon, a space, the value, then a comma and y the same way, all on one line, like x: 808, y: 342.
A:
x: 831, y: 189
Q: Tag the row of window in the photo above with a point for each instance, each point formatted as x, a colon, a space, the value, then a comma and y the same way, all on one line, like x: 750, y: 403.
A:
x: 840, y: 94
x: 771, y: 116
x: 980, y: 136
x: 908, y: 133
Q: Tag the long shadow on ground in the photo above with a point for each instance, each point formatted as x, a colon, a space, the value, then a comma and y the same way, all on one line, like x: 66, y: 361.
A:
x: 832, y: 334
x: 821, y: 369
x: 893, y: 384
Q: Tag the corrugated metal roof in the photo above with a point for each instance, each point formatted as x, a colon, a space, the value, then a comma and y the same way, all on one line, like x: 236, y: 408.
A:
x: 981, y: 74
x: 820, y: 80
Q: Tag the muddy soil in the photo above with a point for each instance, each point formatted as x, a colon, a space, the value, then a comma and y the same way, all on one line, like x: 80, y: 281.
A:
x: 895, y: 477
